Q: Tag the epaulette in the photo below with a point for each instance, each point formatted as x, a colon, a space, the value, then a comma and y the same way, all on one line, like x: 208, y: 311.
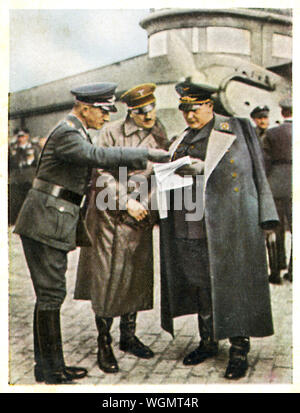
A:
x: 223, y: 124
x: 73, y: 126
x: 69, y: 123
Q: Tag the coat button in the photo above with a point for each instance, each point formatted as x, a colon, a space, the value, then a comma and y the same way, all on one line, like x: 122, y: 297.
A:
x: 192, y: 146
x: 236, y: 189
x: 61, y: 209
x: 234, y: 174
x: 231, y: 161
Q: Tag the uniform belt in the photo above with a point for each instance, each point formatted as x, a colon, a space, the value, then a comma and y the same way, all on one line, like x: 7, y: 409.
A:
x: 57, y: 191
x: 281, y: 162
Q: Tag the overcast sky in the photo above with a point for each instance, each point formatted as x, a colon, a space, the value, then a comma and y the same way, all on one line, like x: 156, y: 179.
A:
x: 46, y: 45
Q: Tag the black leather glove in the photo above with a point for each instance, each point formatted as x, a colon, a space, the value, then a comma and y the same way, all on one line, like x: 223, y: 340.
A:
x: 158, y: 155
x: 195, y: 168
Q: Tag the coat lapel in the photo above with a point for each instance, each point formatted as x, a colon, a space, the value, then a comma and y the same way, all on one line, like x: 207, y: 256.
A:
x: 176, y: 142
x: 218, y: 144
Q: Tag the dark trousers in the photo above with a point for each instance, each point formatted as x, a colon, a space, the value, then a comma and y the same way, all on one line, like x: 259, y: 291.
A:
x: 47, y: 268
x: 284, y: 210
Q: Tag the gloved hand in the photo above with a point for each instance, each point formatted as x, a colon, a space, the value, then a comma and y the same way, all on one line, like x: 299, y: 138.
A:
x: 158, y: 155
x: 195, y: 168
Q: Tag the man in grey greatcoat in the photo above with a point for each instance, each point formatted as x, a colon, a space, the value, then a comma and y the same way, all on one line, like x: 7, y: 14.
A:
x: 116, y: 273
x: 49, y: 221
x: 277, y: 150
x: 213, y: 256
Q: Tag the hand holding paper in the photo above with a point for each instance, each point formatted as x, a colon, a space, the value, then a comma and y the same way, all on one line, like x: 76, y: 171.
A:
x: 195, y: 168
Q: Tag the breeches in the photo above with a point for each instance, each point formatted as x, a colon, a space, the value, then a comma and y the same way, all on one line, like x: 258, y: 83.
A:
x: 47, y: 268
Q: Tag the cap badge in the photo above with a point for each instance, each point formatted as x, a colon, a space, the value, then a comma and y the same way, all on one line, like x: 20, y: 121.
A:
x: 188, y: 99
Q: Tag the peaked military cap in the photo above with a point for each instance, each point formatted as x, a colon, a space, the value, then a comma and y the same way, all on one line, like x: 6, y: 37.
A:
x: 194, y: 94
x: 286, y: 103
x: 260, y: 112
x: 140, y: 98
x: 23, y: 132
x: 98, y: 95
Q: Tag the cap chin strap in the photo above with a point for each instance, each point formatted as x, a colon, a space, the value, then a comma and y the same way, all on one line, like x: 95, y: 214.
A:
x: 108, y: 103
x: 192, y: 101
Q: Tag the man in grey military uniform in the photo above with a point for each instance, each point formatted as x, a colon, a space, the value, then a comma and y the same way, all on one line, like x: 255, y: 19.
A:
x: 49, y: 220
x: 277, y: 150
x: 260, y: 116
x: 22, y: 161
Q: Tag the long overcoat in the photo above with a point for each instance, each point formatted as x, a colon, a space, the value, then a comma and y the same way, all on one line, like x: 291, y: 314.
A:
x: 116, y: 273
x: 238, y: 204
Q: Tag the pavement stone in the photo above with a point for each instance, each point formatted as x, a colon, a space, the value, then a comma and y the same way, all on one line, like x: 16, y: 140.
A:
x: 270, y: 358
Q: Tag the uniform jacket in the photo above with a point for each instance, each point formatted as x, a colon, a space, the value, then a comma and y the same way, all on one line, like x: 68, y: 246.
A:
x: 116, y: 274
x: 237, y: 204
x: 66, y: 160
x: 261, y: 134
x: 278, y: 159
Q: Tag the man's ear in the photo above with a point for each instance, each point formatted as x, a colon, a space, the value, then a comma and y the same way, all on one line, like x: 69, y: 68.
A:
x: 84, y: 111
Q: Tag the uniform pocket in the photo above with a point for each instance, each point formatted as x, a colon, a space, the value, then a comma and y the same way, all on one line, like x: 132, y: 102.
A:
x: 61, y: 219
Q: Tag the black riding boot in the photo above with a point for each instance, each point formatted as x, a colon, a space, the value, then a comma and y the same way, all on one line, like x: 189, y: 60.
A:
x: 207, y: 347
x: 238, y: 363
x: 49, y: 351
x: 274, y: 277
x: 106, y: 359
x: 128, y: 341
x: 38, y: 369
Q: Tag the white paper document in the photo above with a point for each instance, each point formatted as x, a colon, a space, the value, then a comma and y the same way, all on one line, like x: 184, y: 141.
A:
x: 167, y: 179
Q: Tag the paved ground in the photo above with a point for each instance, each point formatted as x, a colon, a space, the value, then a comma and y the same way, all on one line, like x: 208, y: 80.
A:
x: 270, y: 358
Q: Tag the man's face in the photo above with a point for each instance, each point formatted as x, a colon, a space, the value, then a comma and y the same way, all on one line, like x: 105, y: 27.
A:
x: 95, y: 117
x: 144, y: 120
x: 23, y: 139
x: 262, y: 122
x: 199, y: 116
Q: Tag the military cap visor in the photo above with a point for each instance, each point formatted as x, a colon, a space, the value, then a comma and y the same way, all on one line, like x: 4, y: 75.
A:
x: 144, y: 109
x: 260, y: 112
x: 97, y: 95
x: 139, y: 96
x: 186, y: 107
x: 22, y: 133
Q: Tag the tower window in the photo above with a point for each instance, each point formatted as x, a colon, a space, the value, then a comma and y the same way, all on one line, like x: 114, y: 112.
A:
x: 228, y: 40
x: 281, y: 46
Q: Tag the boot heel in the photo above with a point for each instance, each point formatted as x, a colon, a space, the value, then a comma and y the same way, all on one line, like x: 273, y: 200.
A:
x: 38, y: 374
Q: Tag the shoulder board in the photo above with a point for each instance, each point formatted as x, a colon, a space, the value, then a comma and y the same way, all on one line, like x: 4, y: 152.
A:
x: 223, y: 124
x: 70, y: 123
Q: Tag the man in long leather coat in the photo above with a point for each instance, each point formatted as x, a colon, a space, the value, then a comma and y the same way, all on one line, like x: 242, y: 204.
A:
x: 116, y: 273
x: 49, y: 218
x: 213, y: 256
